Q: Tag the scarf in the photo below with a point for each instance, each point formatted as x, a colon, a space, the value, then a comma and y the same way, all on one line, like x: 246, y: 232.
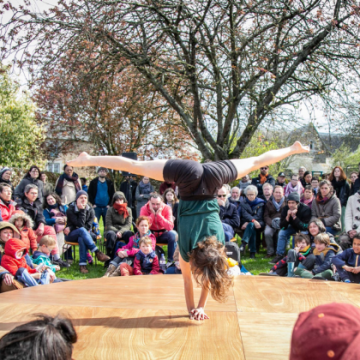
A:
x: 305, y: 251
x: 55, y: 206
x: 321, y: 200
x: 137, y: 239
x: 60, y: 183
x: 307, y: 201
x: 263, y: 178
x: 289, y: 189
x: 145, y: 188
x: 278, y: 204
x: 255, y: 202
x: 121, y: 209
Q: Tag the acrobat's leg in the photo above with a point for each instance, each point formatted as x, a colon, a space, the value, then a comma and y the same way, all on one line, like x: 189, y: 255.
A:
x: 245, y: 166
x: 153, y: 169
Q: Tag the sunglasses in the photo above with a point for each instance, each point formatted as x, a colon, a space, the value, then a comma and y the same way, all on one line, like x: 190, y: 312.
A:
x: 219, y: 196
x: 264, y: 168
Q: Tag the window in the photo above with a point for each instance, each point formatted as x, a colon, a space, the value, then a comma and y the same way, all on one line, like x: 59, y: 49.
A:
x: 53, y: 167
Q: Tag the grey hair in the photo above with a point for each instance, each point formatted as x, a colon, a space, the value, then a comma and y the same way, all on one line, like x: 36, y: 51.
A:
x: 268, y: 184
x: 227, y: 187
x: 235, y: 187
x: 28, y: 187
x: 302, y: 168
x: 251, y: 188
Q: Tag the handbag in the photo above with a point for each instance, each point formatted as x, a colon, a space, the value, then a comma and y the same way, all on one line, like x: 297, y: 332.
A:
x: 58, y: 227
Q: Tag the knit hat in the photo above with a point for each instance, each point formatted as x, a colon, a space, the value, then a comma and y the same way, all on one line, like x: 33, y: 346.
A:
x: 294, y: 196
x: 330, y: 331
x: 81, y: 192
x: 102, y: 169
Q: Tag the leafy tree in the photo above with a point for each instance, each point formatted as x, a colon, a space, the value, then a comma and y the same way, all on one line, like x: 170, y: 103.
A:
x: 20, y: 135
x: 344, y: 157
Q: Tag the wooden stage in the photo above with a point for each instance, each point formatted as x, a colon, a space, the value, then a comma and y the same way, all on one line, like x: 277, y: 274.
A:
x: 144, y: 317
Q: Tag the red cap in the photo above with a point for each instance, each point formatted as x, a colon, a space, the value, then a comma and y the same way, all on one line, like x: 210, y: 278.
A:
x: 330, y: 331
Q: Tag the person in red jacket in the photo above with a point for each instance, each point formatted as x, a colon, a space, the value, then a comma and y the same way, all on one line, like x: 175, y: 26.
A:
x: 162, y: 223
x: 146, y: 261
x: 7, y: 206
x: 14, y: 261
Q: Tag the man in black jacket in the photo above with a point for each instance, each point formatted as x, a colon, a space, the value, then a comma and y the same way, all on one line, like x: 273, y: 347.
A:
x: 295, y: 217
x: 101, y: 191
x: 264, y: 177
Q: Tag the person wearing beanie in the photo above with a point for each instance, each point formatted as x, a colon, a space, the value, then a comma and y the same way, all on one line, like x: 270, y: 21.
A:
x: 80, y: 216
x: 295, y: 217
x: 101, y: 191
x: 330, y: 331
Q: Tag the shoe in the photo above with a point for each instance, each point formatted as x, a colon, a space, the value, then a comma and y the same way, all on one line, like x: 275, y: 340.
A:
x: 276, y: 259
x: 90, y: 260
x: 110, y: 270
x: 117, y: 272
x: 268, y: 256
x: 336, y: 277
x: 347, y: 281
x: 61, y: 263
x: 169, y: 263
x: 243, y: 248
x: 252, y: 255
x: 101, y: 256
x: 83, y: 269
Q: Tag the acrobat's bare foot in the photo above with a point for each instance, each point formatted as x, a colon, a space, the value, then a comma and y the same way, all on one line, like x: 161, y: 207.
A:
x: 82, y: 160
x: 298, y: 148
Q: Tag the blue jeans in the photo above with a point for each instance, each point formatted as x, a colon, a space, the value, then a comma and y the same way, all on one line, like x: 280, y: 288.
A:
x: 23, y: 275
x: 331, y: 230
x: 100, y: 211
x: 229, y: 232
x: 28, y: 260
x: 249, y: 237
x: 172, y: 270
x: 83, y: 237
x: 169, y: 238
x: 283, y: 239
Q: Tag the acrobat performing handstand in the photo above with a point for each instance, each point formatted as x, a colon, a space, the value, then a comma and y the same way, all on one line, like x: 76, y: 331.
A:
x: 201, y: 236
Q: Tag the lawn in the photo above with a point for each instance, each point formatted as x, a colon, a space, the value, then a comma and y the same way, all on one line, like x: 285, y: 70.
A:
x: 255, y: 266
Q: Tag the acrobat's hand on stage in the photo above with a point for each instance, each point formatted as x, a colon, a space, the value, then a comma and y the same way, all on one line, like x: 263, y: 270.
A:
x: 299, y: 148
x: 82, y: 160
x: 199, y: 314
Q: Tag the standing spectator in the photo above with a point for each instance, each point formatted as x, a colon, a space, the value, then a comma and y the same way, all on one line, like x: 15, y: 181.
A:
x: 7, y: 206
x: 308, y: 196
x: 31, y: 177
x: 294, y: 186
x: 83, y: 184
x: 352, y: 220
x: 48, y: 187
x: 128, y: 188
x: 301, y: 172
x: 244, y: 183
x: 170, y: 199
x: 67, y: 185
x: 118, y: 223
x: 264, y: 177
x: 342, y: 188
x: 353, y: 177
x: 80, y: 216
x: 357, y: 182
x: 327, y: 207
x: 267, y: 192
x: 101, y: 192
x: 165, y: 186
x: 306, y: 179
x: 272, y: 215
x: 281, y: 180
x: 162, y: 224
x: 228, y: 214
x: 295, y: 217
x: 252, y: 219
x: 315, y: 185
x: 142, y: 195
x: 5, y: 177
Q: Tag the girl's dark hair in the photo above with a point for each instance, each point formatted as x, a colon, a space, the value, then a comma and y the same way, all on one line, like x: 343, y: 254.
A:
x: 46, y: 338
x: 55, y: 196
x: 210, y: 268
x: 33, y: 167
x: 176, y: 200
x: 319, y: 224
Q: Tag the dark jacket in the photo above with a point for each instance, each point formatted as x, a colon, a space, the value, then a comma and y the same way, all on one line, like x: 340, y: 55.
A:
x: 129, y: 189
x: 35, y: 211
x: 283, y: 185
x: 229, y: 215
x: 238, y: 204
x: 342, y: 189
x: 270, y: 212
x: 301, y: 222
x: 7, y: 181
x: 323, y: 260
x: 20, y: 189
x: 356, y: 186
x: 93, y: 190
x: 347, y: 257
x: 256, y: 181
x: 249, y: 213
x: 329, y: 212
x: 77, y: 218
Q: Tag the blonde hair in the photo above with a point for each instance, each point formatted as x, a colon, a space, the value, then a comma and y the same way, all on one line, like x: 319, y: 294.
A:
x: 146, y: 240
x: 210, y: 268
x: 322, y: 238
x: 47, y: 240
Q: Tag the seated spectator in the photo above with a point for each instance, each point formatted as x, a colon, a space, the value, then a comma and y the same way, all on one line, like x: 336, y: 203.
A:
x: 175, y: 268
x: 229, y: 215
x: 41, y: 339
x: 264, y: 177
x: 101, y: 192
x: 294, y: 186
x: 347, y: 264
x: 252, y: 219
x: 316, y: 227
x: 301, y: 173
x: 353, y: 177
x: 83, y: 184
x: 68, y: 185
x: 48, y: 187
x: 322, y: 255
x: 272, y: 214
x: 5, y: 177
x: 295, y: 218
x: 142, y: 194
x: 281, y: 180
x: 165, y: 186
x: 41, y: 255
x: 162, y: 224
x: 236, y: 199
x: 31, y: 205
x: 267, y: 192
x: 7, y: 206
x: 326, y: 207
x: 287, y: 265
x: 306, y: 180
x: 118, y: 223
x: 126, y: 253
x: 352, y: 220
x: 315, y: 185
x: 80, y: 216
x: 244, y: 183
x: 32, y: 177
x: 170, y: 199
x: 308, y: 196
x: 24, y: 224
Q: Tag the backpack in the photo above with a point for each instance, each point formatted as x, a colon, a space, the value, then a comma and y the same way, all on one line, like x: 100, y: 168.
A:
x: 232, y: 251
